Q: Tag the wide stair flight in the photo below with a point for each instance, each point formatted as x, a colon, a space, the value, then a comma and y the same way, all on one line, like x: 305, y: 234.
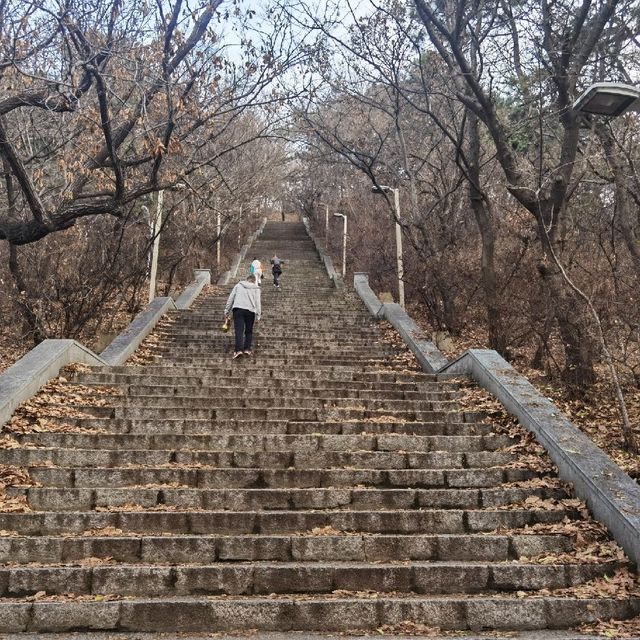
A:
x: 320, y: 485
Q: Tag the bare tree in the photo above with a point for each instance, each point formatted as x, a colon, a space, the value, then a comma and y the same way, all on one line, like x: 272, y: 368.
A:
x: 563, y: 39
x: 138, y: 98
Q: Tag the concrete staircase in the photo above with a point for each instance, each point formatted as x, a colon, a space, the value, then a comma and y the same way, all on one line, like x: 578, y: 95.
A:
x: 322, y: 485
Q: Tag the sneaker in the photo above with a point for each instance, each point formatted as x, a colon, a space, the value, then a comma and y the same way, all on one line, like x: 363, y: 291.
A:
x: 236, y: 354
x: 247, y: 353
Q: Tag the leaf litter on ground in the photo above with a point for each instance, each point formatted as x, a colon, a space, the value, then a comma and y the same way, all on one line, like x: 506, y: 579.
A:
x: 56, y: 401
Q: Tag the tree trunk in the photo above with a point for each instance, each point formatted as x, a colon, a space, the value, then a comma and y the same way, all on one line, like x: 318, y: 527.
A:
x: 577, y: 341
x: 32, y: 325
x: 450, y: 319
x: 624, y: 206
x: 541, y: 356
x: 578, y: 344
x: 481, y: 211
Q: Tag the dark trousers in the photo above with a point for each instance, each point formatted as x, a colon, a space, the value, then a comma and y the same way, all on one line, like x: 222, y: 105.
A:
x: 276, y: 277
x: 243, y: 320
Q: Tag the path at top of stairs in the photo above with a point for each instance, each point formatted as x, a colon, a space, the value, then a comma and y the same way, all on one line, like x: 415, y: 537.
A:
x: 323, y: 485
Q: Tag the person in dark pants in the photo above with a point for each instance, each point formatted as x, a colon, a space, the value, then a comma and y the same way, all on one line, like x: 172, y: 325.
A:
x: 276, y: 270
x: 244, y: 303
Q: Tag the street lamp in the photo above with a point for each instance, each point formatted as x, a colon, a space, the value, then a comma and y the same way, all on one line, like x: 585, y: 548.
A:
x: 608, y: 99
x: 219, y: 232
x: 326, y: 222
x: 399, y: 261
x: 344, y: 242
x: 155, y: 230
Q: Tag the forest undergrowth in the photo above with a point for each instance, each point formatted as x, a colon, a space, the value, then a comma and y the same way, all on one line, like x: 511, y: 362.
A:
x: 593, y: 410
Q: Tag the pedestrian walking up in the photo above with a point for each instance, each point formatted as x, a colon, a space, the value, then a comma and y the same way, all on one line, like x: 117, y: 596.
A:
x: 256, y: 270
x: 244, y: 304
x: 276, y: 270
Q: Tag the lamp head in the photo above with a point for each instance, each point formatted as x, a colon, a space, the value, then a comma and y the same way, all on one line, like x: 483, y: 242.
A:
x: 381, y: 189
x: 607, y: 99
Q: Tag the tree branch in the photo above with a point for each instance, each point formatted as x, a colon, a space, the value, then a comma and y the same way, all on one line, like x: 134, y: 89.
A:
x: 8, y: 152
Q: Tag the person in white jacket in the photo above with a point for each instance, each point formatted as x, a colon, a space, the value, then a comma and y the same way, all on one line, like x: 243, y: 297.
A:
x: 256, y: 270
x: 244, y: 304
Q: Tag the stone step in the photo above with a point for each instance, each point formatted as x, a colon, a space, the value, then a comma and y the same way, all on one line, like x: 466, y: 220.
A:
x: 310, y: 548
x: 285, y: 313
x: 87, y: 458
x: 301, y: 392
x: 283, y: 320
x: 301, y: 635
x: 68, y: 499
x: 265, y: 361
x: 321, y: 301
x: 223, y: 369
x: 314, y: 414
x: 276, y: 327
x: 178, y: 334
x: 313, y: 613
x: 263, y: 578
x: 170, y: 376
x: 280, y: 381
x: 211, y: 426
x: 267, y: 442
x: 271, y: 349
x: 274, y: 348
x: 316, y: 361
x: 412, y: 521
x: 336, y: 342
x: 215, y: 341
x: 285, y: 400
x: 325, y: 306
x: 238, y: 478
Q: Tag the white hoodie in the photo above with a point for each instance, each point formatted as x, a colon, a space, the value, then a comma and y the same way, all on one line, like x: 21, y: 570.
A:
x: 256, y: 267
x: 245, y: 295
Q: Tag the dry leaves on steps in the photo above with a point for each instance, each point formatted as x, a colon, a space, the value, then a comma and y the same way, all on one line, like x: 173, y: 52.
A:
x: 614, y: 628
x: 55, y: 402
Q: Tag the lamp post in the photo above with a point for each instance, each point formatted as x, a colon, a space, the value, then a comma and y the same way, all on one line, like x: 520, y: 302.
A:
x: 326, y: 222
x: 219, y: 232
x: 155, y: 230
x: 399, y: 260
x: 608, y: 99
x: 344, y: 242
